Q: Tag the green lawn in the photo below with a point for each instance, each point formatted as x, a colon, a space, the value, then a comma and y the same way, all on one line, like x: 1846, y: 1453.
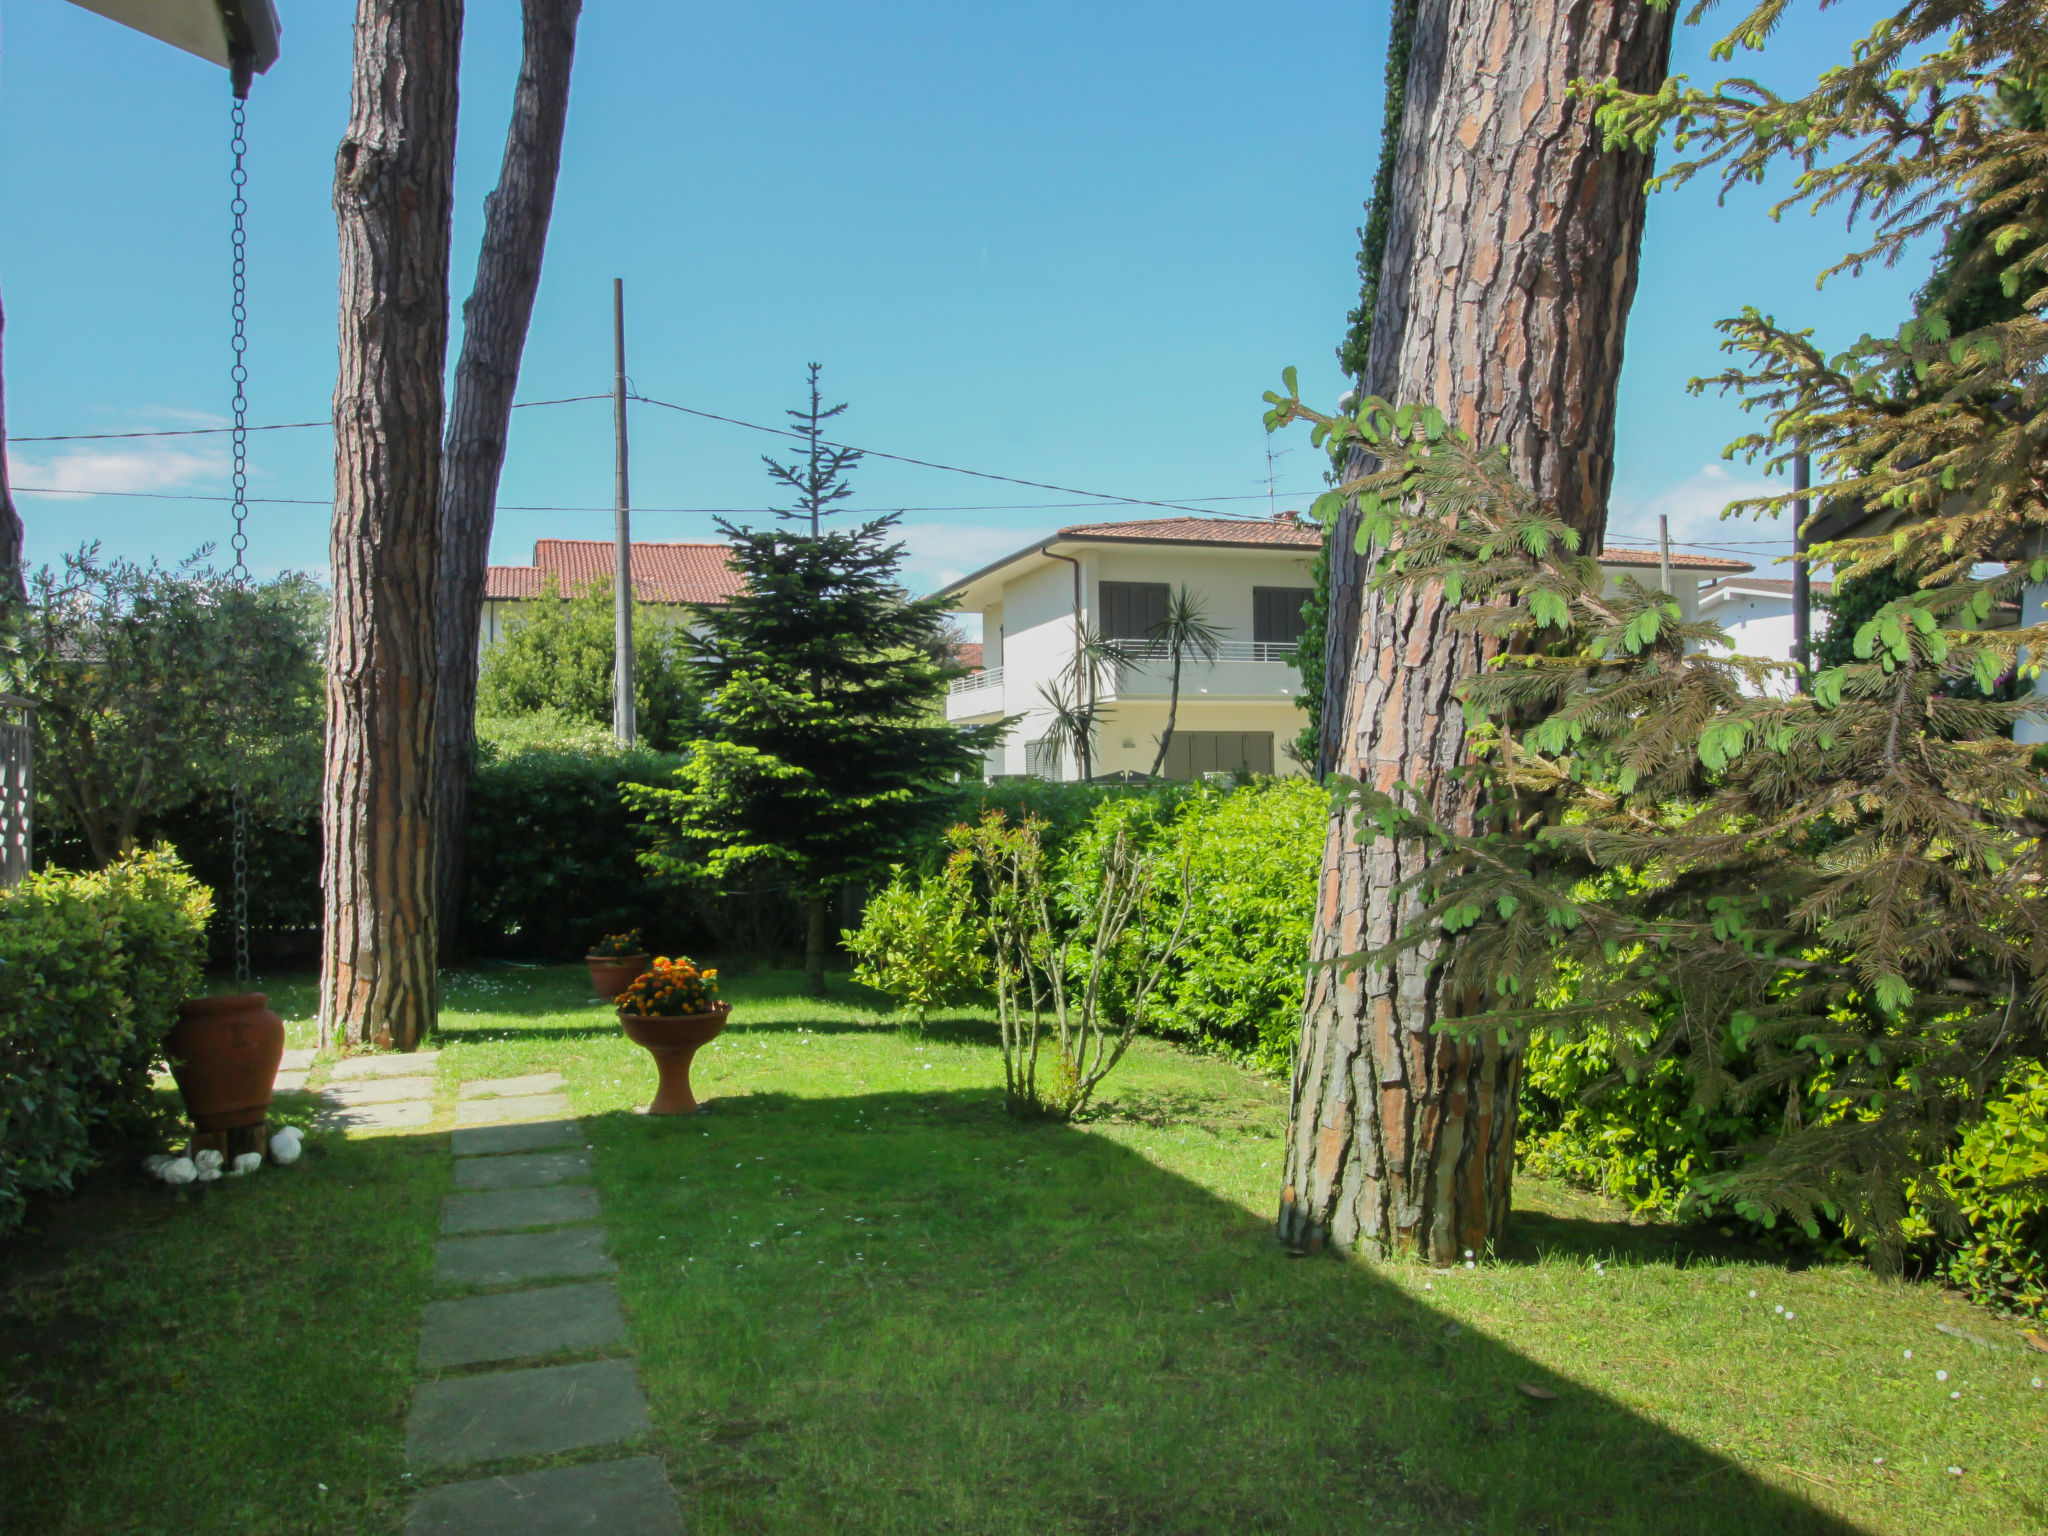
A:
x: 865, y: 1300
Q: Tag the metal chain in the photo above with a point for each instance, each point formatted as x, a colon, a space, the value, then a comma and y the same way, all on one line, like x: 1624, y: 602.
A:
x: 239, y: 571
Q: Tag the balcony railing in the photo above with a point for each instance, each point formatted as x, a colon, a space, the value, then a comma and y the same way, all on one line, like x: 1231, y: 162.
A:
x: 1146, y: 652
x: 977, y: 682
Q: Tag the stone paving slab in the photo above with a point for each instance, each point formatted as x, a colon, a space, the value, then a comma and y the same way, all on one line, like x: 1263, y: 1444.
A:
x: 559, y: 1254
x: 505, y: 1210
x: 297, y: 1060
x: 521, y: 1325
x: 526, y: 1170
x: 380, y: 1090
x: 397, y: 1064
x: 487, y: 1141
x: 532, y: 1106
x: 400, y: 1115
x: 289, y: 1082
x: 524, y: 1413
x: 605, y: 1498
x: 505, y: 1087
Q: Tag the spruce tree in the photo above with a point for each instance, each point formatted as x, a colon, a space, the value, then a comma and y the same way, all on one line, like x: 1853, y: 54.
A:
x: 825, y: 750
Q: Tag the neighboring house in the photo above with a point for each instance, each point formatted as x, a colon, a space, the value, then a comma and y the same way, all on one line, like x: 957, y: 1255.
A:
x: 1114, y: 578
x: 688, y: 575
x: 1756, y: 611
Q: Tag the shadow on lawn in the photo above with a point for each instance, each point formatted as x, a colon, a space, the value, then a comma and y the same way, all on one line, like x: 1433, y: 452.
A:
x: 909, y: 1312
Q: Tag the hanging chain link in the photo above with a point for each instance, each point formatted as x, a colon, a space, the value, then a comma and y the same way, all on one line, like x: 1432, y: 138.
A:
x: 239, y: 572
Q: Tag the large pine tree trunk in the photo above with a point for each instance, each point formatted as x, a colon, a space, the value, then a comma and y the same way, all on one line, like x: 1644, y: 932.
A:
x: 493, y: 336
x: 1510, y: 266
x: 393, y: 199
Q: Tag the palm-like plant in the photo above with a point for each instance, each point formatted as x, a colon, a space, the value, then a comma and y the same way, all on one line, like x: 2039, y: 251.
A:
x: 1184, y: 632
x: 1073, y: 700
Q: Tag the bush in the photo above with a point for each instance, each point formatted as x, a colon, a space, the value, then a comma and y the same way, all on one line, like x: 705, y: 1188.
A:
x: 92, y: 969
x: 1998, y: 1176
x: 1253, y: 852
x: 553, y: 856
x: 921, y: 943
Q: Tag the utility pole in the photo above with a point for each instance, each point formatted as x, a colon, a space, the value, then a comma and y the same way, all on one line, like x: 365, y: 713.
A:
x: 1802, y: 590
x: 1664, y: 553
x: 622, y: 555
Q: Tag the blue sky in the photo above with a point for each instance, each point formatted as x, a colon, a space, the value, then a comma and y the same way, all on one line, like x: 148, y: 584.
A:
x: 1067, y: 243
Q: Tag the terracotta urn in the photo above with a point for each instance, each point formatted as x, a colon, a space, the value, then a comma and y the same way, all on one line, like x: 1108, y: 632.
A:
x: 612, y: 974
x: 224, y: 1052
x: 673, y: 1042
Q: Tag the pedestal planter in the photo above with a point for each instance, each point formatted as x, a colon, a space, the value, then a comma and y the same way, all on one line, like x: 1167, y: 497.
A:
x: 672, y: 1043
x: 224, y: 1052
x: 612, y: 974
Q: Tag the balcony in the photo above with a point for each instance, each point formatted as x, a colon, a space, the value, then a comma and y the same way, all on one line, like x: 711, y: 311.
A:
x: 975, y: 695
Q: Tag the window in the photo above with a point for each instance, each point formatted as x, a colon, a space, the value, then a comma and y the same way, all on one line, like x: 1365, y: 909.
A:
x: 1190, y: 754
x: 1276, y: 614
x: 1042, y: 758
x: 1131, y: 610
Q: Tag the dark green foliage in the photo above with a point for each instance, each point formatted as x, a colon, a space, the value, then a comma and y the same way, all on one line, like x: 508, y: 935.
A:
x: 92, y: 969
x: 554, y: 856
x: 1065, y: 807
x: 826, y: 765
x: 1998, y: 1179
x: 160, y: 688
x: 1828, y: 899
x: 558, y: 657
x: 1379, y: 208
x: 1849, y: 606
x: 1310, y: 659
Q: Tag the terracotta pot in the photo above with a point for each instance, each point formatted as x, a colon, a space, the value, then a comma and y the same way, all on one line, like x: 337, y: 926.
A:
x: 224, y: 1052
x: 612, y: 974
x: 672, y: 1042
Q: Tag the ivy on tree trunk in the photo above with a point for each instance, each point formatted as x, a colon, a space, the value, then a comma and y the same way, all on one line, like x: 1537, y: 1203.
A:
x: 393, y: 201
x: 1512, y: 243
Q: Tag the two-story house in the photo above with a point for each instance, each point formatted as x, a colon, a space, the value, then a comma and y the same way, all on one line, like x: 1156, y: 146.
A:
x: 1114, y: 579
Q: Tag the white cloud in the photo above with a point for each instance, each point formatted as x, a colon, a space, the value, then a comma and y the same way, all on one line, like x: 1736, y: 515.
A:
x: 940, y: 553
x: 86, y: 469
x: 1694, y: 507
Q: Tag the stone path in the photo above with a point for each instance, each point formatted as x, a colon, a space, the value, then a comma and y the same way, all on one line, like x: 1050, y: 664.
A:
x: 379, y: 1093
x: 539, y: 1370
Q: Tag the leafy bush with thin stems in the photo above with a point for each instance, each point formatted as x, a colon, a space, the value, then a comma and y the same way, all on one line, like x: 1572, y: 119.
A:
x: 1054, y: 979
x: 920, y: 941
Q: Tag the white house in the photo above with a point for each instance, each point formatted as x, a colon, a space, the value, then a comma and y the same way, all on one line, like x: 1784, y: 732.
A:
x: 1114, y: 579
x: 690, y: 576
x: 1756, y: 611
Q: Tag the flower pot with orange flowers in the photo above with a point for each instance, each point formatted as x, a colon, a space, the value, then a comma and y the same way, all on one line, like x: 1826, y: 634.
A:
x: 672, y: 1011
x: 615, y: 961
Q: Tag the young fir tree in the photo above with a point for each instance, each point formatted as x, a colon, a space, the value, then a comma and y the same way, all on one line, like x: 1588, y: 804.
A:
x: 822, y: 676
x: 1829, y: 901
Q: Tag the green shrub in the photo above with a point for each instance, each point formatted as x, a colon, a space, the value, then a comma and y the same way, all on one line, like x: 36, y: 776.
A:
x: 552, y: 860
x: 92, y: 969
x: 1253, y: 852
x: 1998, y: 1176
x: 921, y: 942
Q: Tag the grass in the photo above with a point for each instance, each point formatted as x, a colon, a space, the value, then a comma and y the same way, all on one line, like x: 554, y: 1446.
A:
x: 865, y: 1299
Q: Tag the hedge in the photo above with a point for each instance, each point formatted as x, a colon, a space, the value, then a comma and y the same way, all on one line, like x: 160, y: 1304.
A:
x: 92, y: 969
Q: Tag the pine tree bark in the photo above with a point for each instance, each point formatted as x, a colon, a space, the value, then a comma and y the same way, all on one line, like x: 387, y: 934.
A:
x: 494, y: 323
x: 13, y: 581
x: 1510, y: 266
x: 393, y: 201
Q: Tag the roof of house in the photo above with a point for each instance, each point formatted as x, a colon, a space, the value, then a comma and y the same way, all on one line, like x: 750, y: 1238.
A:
x: 1776, y: 586
x: 1612, y: 556
x: 697, y: 574
x: 968, y: 653
x: 1287, y: 530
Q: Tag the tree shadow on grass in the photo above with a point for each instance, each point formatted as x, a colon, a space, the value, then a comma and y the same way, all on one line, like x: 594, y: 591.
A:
x: 907, y: 1312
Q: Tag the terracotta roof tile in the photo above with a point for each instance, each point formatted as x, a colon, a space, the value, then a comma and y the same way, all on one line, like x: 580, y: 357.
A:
x: 968, y: 653
x: 662, y: 573
x: 1612, y: 556
x: 1283, y: 530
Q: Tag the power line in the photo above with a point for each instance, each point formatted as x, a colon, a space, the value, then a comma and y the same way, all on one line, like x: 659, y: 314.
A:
x: 953, y: 469
x: 276, y: 426
x: 309, y: 501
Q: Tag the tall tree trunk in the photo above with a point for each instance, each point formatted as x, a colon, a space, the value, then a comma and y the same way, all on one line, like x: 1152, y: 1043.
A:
x: 814, y: 946
x: 393, y: 201
x: 493, y: 336
x: 13, y: 584
x: 1510, y: 266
